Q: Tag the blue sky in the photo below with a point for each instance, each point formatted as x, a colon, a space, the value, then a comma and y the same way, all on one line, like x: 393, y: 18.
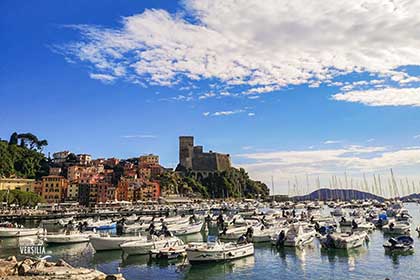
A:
x: 315, y: 94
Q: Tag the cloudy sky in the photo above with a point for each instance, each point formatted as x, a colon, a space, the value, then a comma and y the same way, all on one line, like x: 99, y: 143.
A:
x: 291, y: 89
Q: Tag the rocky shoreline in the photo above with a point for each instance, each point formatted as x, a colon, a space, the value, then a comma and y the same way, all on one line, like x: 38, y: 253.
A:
x: 35, y: 269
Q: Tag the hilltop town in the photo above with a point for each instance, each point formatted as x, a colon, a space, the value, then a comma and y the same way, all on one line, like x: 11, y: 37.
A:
x: 28, y: 177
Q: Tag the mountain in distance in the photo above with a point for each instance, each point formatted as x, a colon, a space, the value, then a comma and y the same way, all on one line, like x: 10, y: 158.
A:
x: 338, y: 194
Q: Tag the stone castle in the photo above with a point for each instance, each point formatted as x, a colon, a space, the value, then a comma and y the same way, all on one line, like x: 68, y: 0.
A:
x: 193, y: 159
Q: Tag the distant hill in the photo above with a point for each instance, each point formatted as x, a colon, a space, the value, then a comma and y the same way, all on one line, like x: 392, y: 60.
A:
x: 413, y: 196
x: 334, y: 194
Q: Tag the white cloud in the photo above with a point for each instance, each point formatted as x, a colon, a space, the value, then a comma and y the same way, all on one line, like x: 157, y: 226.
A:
x: 354, y: 160
x: 207, y: 95
x: 206, y: 114
x: 382, y: 97
x: 416, y: 136
x: 251, y: 114
x: 327, y: 142
x: 227, y: 113
x: 264, y: 45
x: 102, y: 77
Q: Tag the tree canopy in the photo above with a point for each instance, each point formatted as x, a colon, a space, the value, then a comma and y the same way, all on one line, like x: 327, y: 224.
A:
x: 20, y: 198
x: 23, y: 160
x: 232, y: 183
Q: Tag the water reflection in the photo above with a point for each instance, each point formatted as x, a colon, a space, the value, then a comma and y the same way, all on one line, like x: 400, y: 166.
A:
x: 396, y: 256
x: 337, y: 256
x: 218, y: 270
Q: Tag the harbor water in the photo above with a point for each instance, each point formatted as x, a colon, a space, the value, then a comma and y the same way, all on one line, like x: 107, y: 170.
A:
x: 311, y: 262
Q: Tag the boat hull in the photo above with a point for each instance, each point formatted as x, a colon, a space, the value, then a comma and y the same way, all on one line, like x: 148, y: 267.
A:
x: 16, y: 232
x: 110, y: 243
x: 197, y: 255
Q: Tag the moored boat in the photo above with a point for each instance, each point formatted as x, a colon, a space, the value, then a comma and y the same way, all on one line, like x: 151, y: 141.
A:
x: 18, y: 231
x: 143, y: 247
x: 216, y: 251
x: 104, y: 243
x: 344, y: 240
x: 402, y: 243
x: 74, y: 237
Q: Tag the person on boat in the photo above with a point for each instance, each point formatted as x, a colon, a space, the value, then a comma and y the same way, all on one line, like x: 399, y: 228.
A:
x: 69, y: 227
x: 220, y: 221
x: 354, y: 224
x: 317, y: 227
x: 343, y: 219
x: 80, y: 227
x: 281, y: 238
x: 151, y: 228
x: 120, y: 227
x: 391, y: 226
x: 165, y: 231
x: 193, y: 219
x: 294, y: 213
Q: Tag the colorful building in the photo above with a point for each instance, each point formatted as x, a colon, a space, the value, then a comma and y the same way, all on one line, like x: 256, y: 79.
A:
x: 27, y: 185
x: 54, y: 188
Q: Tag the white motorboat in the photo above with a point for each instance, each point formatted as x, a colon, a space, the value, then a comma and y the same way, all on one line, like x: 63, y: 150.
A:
x: 142, y: 247
x: 73, y: 237
x: 367, y: 227
x: 102, y: 225
x: 104, y: 243
x: 264, y: 234
x: 60, y: 222
x: 169, y: 253
x: 338, y: 212
x: 344, y: 240
x: 233, y: 233
x: 187, y: 229
x: 143, y: 227
x: 400, y: 228
x: 298, y: 235
x: 18, y: 231
x: 215, y: 251
x: 349, y: 221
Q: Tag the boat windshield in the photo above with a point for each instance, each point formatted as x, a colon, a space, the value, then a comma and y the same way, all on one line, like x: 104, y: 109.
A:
x: 211, y: 239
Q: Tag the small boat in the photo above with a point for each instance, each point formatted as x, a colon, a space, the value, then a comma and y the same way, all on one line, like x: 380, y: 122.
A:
x: 59, y: 222
x: 216, y: 251
x: 298, y: 235
x: 337, y: 212
x: 399, y: 244
x: 368, y: 227
x: 18, y: 231
x: 349, y: 222
x: 264, y: 234
x: 187, y: 229
x: 143, y: 247
x: 104, y: 243
x: 233, y: 233
x: 344, y: 240
x: 400, y: 228
x: 73, y: 237
x: 170, y: 252
x: 102, y: 225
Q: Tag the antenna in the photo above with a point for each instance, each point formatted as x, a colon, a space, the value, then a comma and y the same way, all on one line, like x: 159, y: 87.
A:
x: 272, y: 187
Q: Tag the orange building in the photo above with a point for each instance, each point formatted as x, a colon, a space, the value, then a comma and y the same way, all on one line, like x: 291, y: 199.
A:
x: 54, y: 188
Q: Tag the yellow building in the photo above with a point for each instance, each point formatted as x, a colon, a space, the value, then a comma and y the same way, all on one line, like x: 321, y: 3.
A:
x: 73, y: 191
x: 149, y: 159
x: 27, y: 185
x: 54, y: 188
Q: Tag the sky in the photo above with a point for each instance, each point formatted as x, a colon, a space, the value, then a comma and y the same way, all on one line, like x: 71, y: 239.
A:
x: 292, y: 90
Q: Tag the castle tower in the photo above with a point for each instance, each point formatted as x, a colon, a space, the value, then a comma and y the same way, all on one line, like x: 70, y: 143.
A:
x: 186, y: 146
